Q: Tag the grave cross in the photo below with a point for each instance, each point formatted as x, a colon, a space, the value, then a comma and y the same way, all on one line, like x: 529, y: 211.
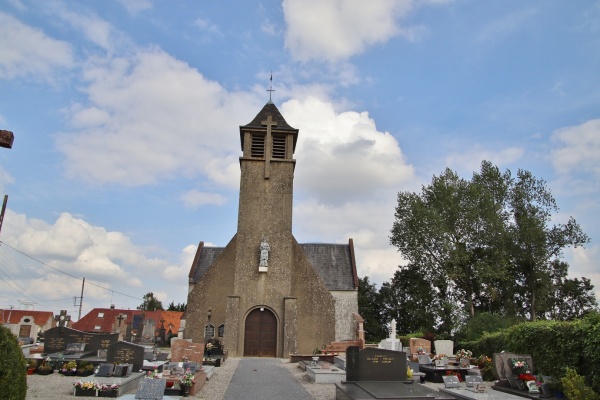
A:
x: 268, y: 144
x: 62, y: 319
x: 120, y: 318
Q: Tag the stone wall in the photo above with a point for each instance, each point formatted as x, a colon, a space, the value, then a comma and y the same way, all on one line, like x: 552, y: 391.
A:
x: 346, y: 303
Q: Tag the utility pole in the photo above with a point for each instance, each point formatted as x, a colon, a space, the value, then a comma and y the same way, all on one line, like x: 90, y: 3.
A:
x: 3, y: 210
x: 6, y: 141
x: 80, y: 300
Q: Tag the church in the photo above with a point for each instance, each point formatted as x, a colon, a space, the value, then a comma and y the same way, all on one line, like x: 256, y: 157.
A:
x: 264, y: 294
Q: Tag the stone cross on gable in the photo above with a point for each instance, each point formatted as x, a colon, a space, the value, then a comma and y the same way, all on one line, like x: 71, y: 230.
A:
x: 268, y: 144
x: 62, y: 319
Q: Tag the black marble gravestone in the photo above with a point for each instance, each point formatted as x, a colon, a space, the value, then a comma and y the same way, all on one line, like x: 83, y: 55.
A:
x: 151, y: 389
x: 126, y: 353
x: 56, y: 340
x: 373, y: 364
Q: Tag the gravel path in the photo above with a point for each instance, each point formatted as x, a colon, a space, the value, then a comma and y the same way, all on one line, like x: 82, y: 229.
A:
x: 59, y: 387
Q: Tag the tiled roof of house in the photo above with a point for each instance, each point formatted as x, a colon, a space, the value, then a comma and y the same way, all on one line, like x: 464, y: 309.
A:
x: 334, y: 263
x: 104, y: 319
x: 40, y: 318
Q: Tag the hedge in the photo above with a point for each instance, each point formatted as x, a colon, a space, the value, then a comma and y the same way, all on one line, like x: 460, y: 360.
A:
x: 13, y: 367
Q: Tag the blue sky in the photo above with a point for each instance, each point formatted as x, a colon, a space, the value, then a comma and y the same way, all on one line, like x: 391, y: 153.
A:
x: 126, y: 118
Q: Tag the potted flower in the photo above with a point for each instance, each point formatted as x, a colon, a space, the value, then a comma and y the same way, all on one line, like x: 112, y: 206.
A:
x: 86, y: 368
x: 31, y: 366
x: 209, y: 346
x: 69, y: 368
x: 45, y: 368
x: 84, y: 388
x: 186, y: 382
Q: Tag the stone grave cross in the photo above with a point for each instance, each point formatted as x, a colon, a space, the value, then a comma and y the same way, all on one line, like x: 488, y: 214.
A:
x: 62, y: 319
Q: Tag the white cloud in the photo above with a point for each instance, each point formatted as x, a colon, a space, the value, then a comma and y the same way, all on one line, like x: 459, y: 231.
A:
x: 195, y: 198
x: 28, y: 52
x: 578, y: 148
x: 342, y: 156
x: 135, y: 6
x: 152, y: 117
x: 338, y: 29
x: 470, y: 159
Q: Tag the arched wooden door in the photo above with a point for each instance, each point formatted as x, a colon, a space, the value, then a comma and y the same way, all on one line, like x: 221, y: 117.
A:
x: 260, y: 338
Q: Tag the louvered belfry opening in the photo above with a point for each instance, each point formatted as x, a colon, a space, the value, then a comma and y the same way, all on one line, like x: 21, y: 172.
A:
x: 278, y: 146
x: 258, y: 145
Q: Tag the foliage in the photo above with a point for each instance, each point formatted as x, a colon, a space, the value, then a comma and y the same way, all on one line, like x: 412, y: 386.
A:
x: 484, y: 363
x: 150, y: 303
x: 574, y: 387
x: 178, y: 307
x: 487, y: 244
x: 484, y: 322
x: 409, y: 299
x: 370, y: 308
x: 32, y: 363
x: 13, y: 374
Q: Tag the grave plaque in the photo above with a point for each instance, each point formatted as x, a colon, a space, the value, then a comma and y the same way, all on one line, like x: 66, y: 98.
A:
x: 126, y: 353
x: 105, y: 370
x: 451, y: 381
x: 120, y: 370
x: 473, y: 380
x: 75, y: 348
x: 57, y: 339
x: 374, y: 364
x: 151, y: 389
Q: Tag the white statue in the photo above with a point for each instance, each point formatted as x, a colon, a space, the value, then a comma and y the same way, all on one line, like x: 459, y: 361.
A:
x: 264, y: 253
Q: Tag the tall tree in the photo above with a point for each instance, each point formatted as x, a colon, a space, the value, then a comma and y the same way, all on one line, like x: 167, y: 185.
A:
x: 409, y: 298
x: 150, y: 303
x: 572, y: 298
x: 536, y: 243
x: 369, y: 307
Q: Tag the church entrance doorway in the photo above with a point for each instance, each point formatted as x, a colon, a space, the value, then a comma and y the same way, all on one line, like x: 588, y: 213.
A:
x: 260, y: 338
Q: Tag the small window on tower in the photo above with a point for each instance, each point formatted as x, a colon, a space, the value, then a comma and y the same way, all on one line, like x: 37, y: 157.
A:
x: 278, y: 146
x: 221, y: 330
x: 209, y: 331
x: 258, y: 145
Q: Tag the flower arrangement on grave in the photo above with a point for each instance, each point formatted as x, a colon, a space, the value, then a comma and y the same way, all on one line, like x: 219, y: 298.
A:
x: 520, y: 367
x: 154, y: 374
x: 45, y: 367
x: 455, y: 373
x: 439, y: 356
x: 420, y: 351
x: 462, y: 353
x: 526, y: 377
x: 187, y: 379
x: 69, y: 368
x: 484, y: 363
x: 103, y: 387
x: 86, y: 368
x: 89, y: 385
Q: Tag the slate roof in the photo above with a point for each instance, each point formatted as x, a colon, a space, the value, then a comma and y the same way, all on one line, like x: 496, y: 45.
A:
x: 256, y: 123
x: 334, y: 263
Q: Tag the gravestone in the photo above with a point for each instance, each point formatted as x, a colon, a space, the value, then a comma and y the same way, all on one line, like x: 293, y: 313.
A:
x: 182, y: 350
x: 151, y: 389
x: 105, y: 370
x: 126, y: 353
x: 73, y: 348
x: 372, y: 364
x: 445, y: 347
x: 503, y: 365
x: 57, y: 339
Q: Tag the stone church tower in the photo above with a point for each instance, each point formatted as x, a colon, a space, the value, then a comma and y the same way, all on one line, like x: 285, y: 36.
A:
x: 264, y: 294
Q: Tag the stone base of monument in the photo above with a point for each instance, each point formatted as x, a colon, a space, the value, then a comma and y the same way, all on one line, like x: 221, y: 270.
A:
x: 340, y: 361
x: 294, y: 358
x: 325, y: 373
x: 365, y: 390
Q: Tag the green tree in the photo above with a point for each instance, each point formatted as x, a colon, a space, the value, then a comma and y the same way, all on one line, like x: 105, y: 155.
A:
x: 13, y: 373
x: 369, y: 307
x: 571, y: 298
x: 176, y: 307
x: 150, y: 303
x: 536, y: 243
x: 453, y: 230
x: 409, y: 298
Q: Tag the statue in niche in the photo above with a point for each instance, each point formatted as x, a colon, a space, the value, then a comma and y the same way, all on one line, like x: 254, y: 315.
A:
x: 264, y: 253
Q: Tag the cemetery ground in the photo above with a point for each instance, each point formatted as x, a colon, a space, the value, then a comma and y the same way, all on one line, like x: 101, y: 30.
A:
x: 57, y: 386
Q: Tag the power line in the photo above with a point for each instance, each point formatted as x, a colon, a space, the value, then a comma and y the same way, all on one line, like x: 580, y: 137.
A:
x: 66, y: 273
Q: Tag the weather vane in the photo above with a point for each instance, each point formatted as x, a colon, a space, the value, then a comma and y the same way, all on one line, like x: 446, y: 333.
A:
x: 271, y: 90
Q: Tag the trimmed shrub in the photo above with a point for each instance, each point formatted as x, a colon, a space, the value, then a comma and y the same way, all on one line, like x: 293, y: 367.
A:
x: 13, y: 367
